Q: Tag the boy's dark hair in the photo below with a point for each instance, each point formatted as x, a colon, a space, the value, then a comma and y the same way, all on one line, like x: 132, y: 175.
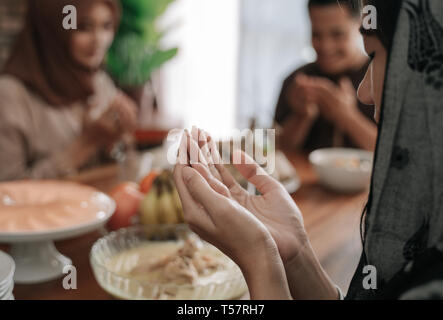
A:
x: 353, y: 10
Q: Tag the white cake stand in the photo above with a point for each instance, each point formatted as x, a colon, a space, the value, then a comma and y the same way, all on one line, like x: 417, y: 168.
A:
x: 36, y: 257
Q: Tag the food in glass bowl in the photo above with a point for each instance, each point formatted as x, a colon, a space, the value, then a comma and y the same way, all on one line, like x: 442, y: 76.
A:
x: 178, y: 262
x: 164, y: 263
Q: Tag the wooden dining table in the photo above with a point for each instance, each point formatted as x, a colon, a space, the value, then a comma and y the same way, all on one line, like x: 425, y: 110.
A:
x: 332, y: 221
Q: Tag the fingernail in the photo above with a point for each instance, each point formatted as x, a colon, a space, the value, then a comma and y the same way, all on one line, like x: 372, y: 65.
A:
x: 187, y: 174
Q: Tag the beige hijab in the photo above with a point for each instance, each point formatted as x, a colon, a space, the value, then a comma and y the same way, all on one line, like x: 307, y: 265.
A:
x: 41, y: 58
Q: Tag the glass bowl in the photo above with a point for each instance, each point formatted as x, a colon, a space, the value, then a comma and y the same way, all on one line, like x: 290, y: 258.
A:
x: 111, y: 267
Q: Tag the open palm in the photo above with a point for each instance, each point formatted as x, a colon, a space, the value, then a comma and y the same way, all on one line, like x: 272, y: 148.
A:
x: 274, y: 207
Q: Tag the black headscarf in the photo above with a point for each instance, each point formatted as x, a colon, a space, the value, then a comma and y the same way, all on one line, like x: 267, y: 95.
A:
x: 404, y: 222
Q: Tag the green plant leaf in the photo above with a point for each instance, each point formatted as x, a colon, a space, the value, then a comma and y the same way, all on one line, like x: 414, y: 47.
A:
x: 135, y: 52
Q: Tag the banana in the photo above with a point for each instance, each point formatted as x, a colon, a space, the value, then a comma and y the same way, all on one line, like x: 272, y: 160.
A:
x: 148, y: 209
x: 166, y: 209
x: 162, y: 204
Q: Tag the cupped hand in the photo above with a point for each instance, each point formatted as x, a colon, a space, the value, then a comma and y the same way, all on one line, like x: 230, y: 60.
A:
x: 210, y: 211
x: 337, y: 103
x: 274, y: 208
x: 263, y: 234
x: 119, y: 118
x: 127, y: 112
x: 303, y: 104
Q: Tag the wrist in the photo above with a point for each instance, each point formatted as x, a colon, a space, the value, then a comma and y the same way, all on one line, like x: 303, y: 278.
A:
x: 263, y: 250
x: 265, y: 274
x: 348, y: 118
x: 306, y: 116
x: 307, y: 278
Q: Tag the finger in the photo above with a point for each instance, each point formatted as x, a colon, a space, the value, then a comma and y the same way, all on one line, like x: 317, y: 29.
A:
x: 106, y: 124
x: 195, y: 154
x: 131, y: 110
x: 197, y: 135
x: 208, y: 151
x: 194, y: 133
x: 301, y: 83
x: 254, y: 173
x: 213, y: 182
x: 202, y: 193
x: 200, y: 138
x: 213, y: 148
x: 114, y: 116
x: 204, y: 147
x: 203, y: 170
x: 128, y: 120
x: 316, y: 83
x: 328, y: 87
x: 301, y: 78
x: 130, y: 105
x: 346, y: 85
x: 193, y: 213
x: 322, y: 93
x: 182, y: 155
x: 236, y: 190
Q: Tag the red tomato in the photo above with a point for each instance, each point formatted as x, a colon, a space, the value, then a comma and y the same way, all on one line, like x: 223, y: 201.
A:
x: 127, y: 198
x: 147, y: 181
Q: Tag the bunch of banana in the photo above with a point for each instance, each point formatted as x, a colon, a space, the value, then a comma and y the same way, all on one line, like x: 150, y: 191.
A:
x: 162, y: 204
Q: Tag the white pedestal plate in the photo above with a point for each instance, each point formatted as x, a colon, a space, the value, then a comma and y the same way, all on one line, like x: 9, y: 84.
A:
x: 36, y: 257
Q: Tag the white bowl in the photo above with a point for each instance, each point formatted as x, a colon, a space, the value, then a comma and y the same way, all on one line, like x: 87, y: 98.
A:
x: 343, y: 170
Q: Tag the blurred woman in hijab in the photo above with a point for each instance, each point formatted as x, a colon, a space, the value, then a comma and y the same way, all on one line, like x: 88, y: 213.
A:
x: 58, y: 108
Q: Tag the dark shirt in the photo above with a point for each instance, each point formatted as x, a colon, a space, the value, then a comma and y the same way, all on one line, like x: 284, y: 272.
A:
x: 322, y: 131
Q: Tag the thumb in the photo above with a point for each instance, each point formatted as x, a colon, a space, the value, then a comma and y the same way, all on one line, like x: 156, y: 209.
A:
x: 346, y: 85
x: 200, y: 189
x: 255, y: 174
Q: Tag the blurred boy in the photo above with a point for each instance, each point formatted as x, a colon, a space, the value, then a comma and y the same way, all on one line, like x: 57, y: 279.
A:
x: 318, y: 104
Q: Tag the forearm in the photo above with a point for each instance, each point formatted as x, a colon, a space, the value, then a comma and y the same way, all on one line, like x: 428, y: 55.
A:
x: 15, y: 165
x: 361, y: 130
x: 265, y: 276
x: 65, y: 162
x: 307, y: 279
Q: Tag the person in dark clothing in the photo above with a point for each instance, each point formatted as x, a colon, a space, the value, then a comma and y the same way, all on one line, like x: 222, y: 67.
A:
x: 317, y: 107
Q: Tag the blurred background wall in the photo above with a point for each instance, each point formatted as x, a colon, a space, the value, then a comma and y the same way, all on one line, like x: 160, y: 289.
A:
x: 274, y: 41
x: 233, y: 58
x: 11, y: 20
